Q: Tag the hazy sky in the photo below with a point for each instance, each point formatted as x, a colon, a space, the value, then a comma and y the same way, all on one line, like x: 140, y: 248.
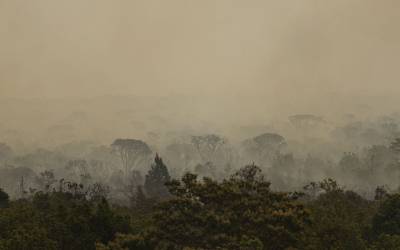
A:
x: 302, y: 52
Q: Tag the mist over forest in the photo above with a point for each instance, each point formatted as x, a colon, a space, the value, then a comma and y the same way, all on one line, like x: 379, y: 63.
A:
x: 199, y: 125
x: 49, y: 134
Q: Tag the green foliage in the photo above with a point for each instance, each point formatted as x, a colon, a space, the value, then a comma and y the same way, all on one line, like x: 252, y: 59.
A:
x: 387, y: 242
x: 31, y: 238
x: 142, y: 203
x: 156, y: 179
x: 240, y: 211
x: 4, y: 199
x: 126, y: 242
x: 340, y: 219
x: 387, y: 218
x: 106, y: 223
x: 59, y: 220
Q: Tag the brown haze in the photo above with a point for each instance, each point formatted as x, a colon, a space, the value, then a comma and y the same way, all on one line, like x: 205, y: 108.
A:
x: 222, y: 61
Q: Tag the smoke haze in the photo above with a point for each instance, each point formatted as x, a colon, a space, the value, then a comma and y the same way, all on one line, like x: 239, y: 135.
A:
x: 126, y: 68
x: 293, y: 55
x: 276, y: 119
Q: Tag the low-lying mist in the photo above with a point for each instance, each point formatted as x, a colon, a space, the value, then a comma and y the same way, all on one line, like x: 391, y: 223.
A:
x: 304, y: 90
x: 74, y: 139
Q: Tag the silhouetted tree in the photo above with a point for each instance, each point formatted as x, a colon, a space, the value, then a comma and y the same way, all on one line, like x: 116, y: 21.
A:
x: 264, y: 147
x: 4, y: 199
x: 156, y: 179
x: 131, y: 152
x: 208, y: 146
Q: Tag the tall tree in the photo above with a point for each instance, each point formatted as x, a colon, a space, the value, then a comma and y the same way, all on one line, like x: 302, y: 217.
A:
x: 156, y: 179
x: 4, y: 198
x: 208, y: 147
x: 131, y: 152
x: 264, y: 147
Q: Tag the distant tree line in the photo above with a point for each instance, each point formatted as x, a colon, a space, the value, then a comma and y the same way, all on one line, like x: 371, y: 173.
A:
x: 212, y: 205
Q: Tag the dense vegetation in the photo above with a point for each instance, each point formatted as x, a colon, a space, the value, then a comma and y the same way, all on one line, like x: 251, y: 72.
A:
x: 200, y: 196
x: 238, y: 212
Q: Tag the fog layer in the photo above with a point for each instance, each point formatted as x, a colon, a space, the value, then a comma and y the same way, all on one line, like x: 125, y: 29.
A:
x: 261, y: 57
